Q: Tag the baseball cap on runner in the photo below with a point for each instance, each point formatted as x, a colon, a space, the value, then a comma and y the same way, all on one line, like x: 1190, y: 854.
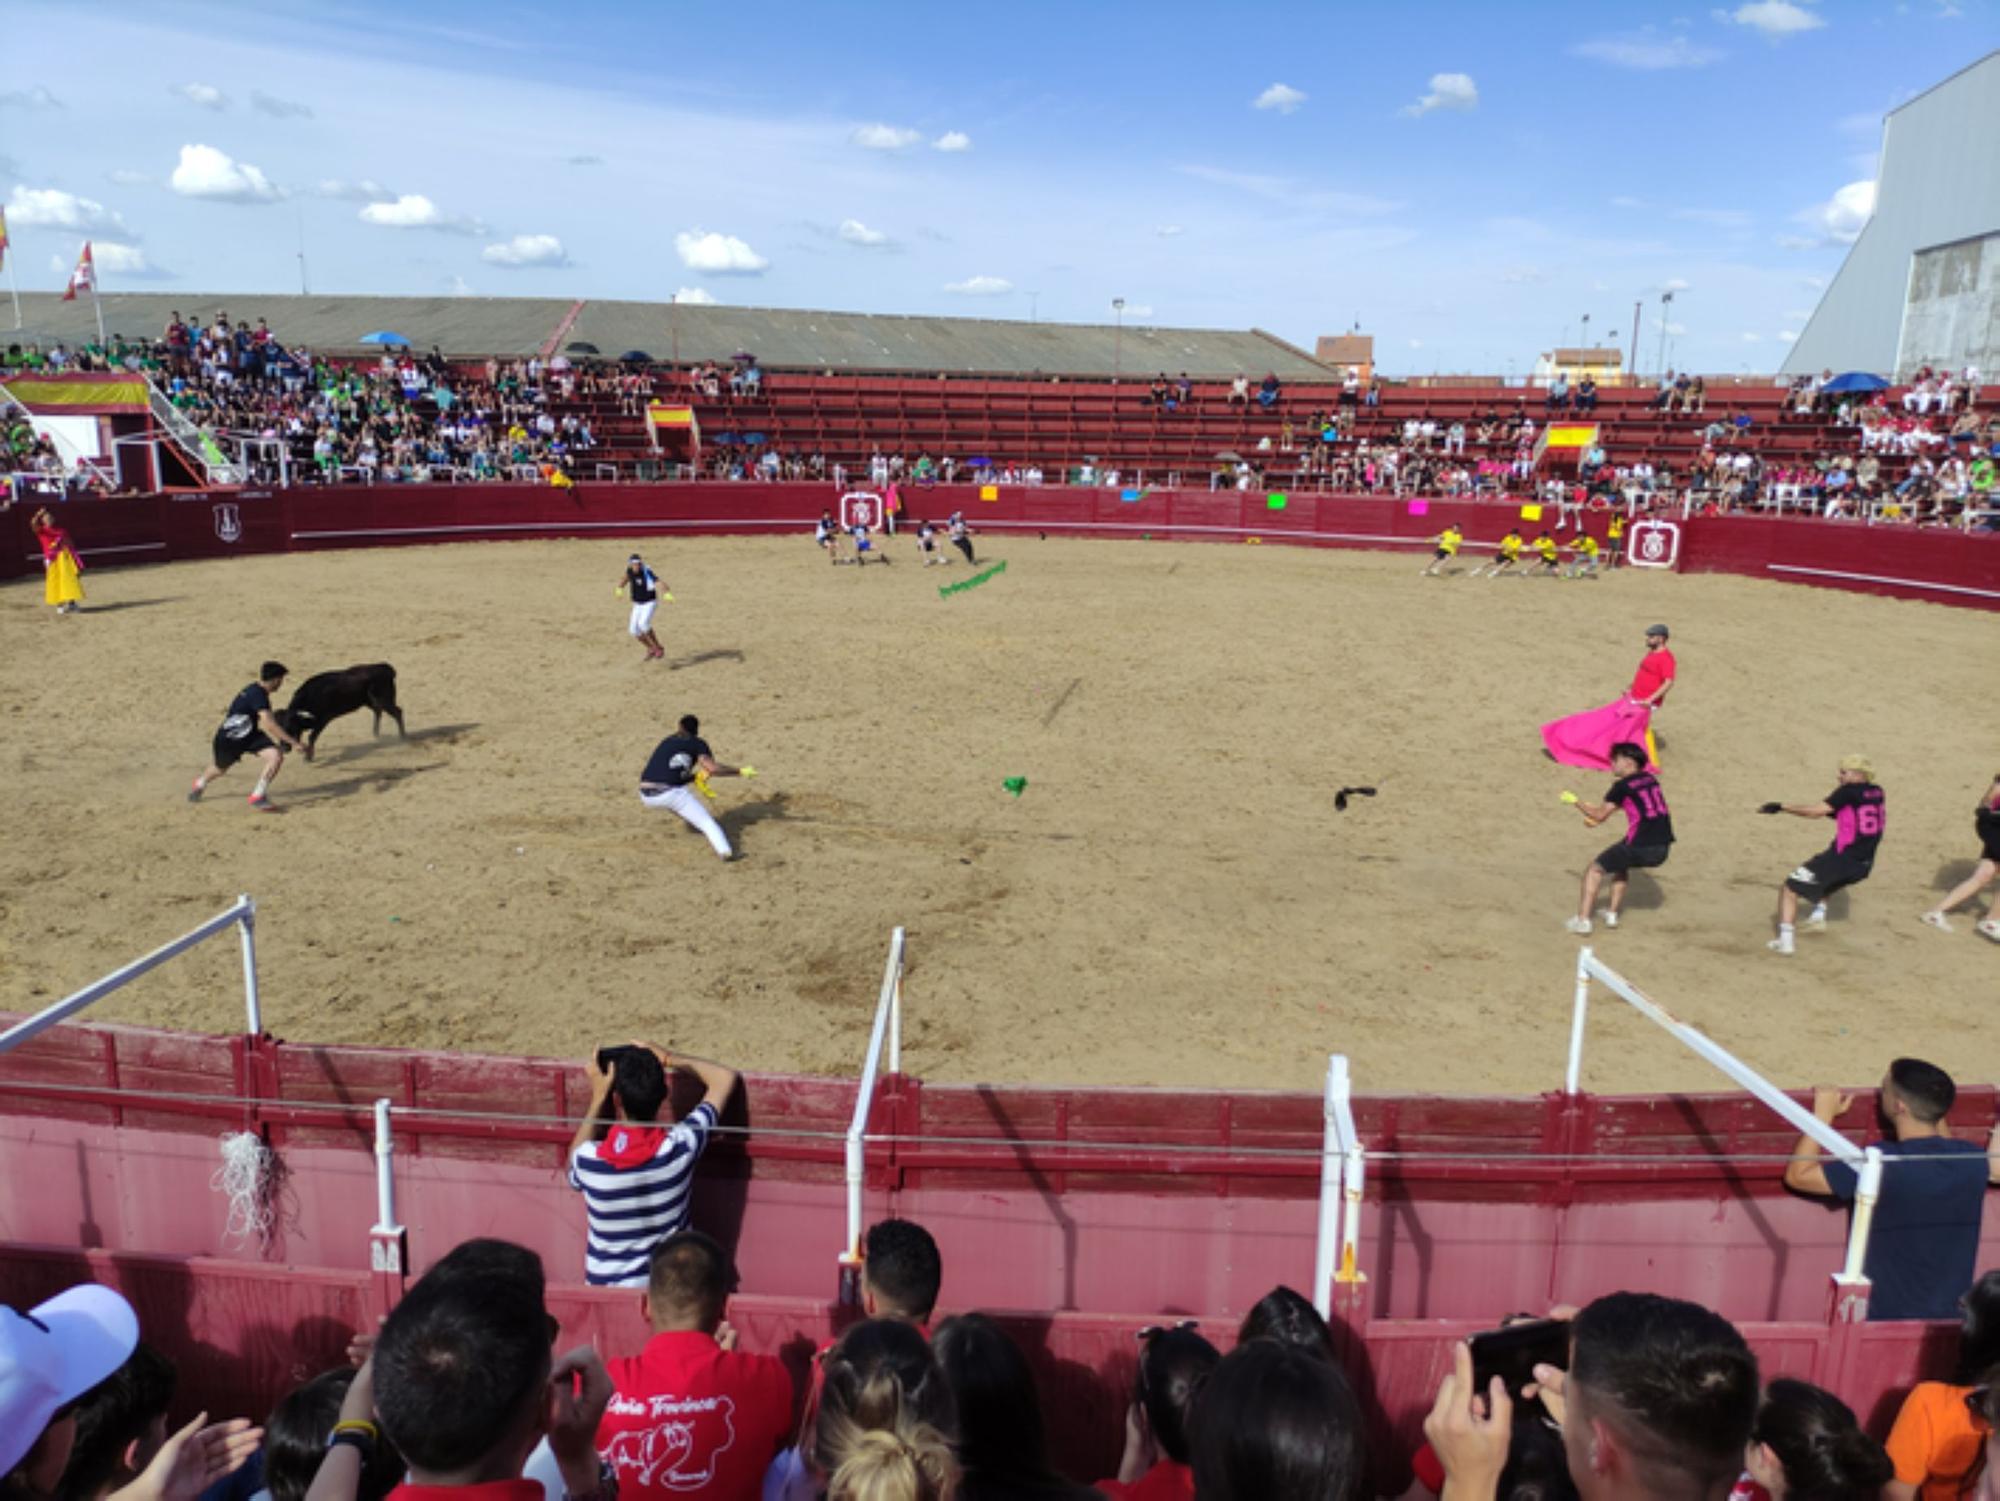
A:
x: 53, y: 1355
x: 1658, y: 630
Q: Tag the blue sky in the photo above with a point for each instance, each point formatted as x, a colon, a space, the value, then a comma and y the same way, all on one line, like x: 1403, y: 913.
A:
x: 1465, y: 180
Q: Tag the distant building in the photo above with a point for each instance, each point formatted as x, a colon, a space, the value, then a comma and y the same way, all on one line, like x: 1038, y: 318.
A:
x: 1605, y: 365
x: 1921, y: 286
x: 1342, y: 350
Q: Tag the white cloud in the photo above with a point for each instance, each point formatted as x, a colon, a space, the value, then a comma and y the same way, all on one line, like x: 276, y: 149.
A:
x: 1448, y: 91
x: 854, y: 232
x: 1788, y: 337
x: 1776, y: 19
x: 953, y: 140
x: 1647, y: 51
x: 367, y: 190
x: 1281, y: 97
x: 1817, y: 283
x: 207, y: 95
x: 694, y: 297
x: 1844, y: 214
x: 279, y: 109
x: 119, y: 259
x: 526, y: 250
x: 980, y: 286
x: 204, y: 172
x: 1677, y: 330
x: 1167, y: 231
x: 52, y: 208
x: 414, y: 211
x: 1750, y: 338
x: 460, y: 287
x: 1673, y: 284
x: 717, y: 254
x: 885, y: 137
x: 35, y: 98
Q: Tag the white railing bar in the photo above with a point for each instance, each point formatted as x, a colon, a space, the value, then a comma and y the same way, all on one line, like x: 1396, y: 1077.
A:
x: 1332, y: 1179
x: 252, y: 1005
x: 385, y: 1172
x: 896, y: 1009
x: 864, y: 1100
x: 1588, y: 967
x: 61, y: 1010
x: 1866, y: 1192
x: 1352, y: 1182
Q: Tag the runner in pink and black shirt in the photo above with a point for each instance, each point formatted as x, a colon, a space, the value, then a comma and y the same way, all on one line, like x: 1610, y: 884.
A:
x: 1649, y: 833
x: 1857, y: 809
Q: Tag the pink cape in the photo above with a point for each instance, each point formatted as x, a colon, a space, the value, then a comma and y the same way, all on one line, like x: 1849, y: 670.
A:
x: 1586, y: 739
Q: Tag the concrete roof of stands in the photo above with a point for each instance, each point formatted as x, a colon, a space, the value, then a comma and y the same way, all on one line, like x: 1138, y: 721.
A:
x: 780, y: 337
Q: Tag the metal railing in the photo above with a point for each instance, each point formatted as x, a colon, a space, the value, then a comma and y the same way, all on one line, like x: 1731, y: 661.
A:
x: 888, y: 1029
x: 198, y: 446
x: 1866, y: 1162
x: 1342, y: 1170
x: 243, y: 916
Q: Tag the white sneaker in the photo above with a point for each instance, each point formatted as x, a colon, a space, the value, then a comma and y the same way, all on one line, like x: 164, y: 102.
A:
x: 1781, y: 945
x: 1936, y: 920
x: 1611, y: 919
x: 1989, y: 929
x: 1578, y: 925
x: 1815, y: 920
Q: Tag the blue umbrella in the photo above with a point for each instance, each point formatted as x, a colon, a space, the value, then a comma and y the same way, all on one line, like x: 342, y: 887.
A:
x: 383, y: 336
x: 1854, y: 380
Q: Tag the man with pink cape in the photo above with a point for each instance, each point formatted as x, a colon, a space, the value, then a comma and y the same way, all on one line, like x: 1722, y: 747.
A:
x: 1586, y: 739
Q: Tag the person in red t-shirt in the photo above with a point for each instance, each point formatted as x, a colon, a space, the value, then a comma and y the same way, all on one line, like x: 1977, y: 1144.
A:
x: 693, y: 1416
x: 1586, y: 739
x: 1172, y: 1366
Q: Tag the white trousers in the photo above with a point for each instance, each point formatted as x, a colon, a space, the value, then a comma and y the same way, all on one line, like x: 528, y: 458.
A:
x: 687, y: 802
x: 642, y: 617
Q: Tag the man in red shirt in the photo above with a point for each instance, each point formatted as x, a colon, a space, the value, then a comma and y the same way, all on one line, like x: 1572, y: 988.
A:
x: 1586, y: 739
x: 692, y: 1416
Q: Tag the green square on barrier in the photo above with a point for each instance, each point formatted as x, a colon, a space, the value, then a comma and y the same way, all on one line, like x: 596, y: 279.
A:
x: 1276, y: 501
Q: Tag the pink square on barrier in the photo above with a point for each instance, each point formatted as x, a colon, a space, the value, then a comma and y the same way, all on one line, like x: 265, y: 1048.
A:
x: 1420, y: 508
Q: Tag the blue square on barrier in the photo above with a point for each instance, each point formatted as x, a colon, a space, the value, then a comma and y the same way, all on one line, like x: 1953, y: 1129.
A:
x: 1128, y: 495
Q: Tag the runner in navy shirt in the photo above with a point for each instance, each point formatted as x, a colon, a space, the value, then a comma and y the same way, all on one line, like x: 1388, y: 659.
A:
x: 1649, y: 833
x: 250, y: 728
x: 1856, y: 808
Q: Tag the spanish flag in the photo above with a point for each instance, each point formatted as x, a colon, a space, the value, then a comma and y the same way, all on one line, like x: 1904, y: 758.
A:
x: 84, y: 277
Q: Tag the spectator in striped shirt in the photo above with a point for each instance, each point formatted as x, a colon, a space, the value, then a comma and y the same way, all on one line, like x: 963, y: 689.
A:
x: 636, y: 1175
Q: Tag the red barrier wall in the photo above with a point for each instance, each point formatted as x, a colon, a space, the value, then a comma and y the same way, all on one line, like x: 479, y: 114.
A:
x: 1945, y: 567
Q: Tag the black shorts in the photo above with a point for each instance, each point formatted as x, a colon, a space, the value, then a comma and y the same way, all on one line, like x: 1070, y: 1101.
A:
x: 1989, y: 846
x: 1826, y: 873
x: 228, y: 752
x: 1621, y: 857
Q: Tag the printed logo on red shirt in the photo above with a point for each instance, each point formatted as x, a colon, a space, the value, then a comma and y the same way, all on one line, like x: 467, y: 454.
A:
x: 680, y: 1447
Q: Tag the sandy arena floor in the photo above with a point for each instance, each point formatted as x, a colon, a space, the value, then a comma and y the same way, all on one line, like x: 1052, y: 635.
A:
x: 1174, y: 899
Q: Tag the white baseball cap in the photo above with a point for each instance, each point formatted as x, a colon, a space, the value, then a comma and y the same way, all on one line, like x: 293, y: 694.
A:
x: 53, y: 1355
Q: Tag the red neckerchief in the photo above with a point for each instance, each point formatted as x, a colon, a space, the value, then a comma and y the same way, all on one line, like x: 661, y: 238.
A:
x: 628, y: 1146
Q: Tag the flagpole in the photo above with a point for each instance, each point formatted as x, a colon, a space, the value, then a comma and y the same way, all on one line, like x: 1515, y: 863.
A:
x: 14, y: 285
x: 97, y: 306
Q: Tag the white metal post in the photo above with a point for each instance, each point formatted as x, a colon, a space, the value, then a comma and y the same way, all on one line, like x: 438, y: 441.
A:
x: 385, y: 1172
x: 388, y: 1242
x: 1349, y: 1270
x: 864, y: 1099
x: 1332, y: 1169
x: 1574, y: 1078
x: 895, y: 983
x: 1867, y: 1190
x: 252, y: 1007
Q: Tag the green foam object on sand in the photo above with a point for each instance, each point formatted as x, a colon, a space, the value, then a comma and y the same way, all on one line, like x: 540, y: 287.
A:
x: 1016, y: 785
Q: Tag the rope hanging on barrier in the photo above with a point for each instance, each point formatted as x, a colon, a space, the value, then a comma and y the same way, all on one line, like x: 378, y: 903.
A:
x: 248, y: 1178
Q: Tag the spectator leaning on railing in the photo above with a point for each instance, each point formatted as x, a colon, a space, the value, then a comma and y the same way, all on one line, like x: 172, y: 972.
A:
x: 1923, y: 1246
x: 636, y: 1175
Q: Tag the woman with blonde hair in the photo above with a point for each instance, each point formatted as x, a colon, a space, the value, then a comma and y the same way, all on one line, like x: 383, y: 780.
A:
x: 883, y: 1424
x: 908, y: 1462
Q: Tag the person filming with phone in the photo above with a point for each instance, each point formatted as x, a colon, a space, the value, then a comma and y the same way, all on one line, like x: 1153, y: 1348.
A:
x: 636, y: 1174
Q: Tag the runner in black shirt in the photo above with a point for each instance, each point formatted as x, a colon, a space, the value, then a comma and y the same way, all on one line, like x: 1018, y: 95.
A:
x: 1856, y: 808
x: 672, y: 778
x: 249, y: 728
x: 646, y: 591
x: 1986, y: 824
x: 1649, y: 833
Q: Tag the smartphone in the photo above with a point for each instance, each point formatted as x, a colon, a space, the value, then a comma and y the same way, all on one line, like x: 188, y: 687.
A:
x: 1513, y: 1353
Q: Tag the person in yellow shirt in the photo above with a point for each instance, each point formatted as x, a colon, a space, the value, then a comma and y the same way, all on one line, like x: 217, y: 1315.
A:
x: 1614, y: 540
x: 1509, y: 556
x: 1584, y: 550
x: 1448, y: 542
x: 1547, y: 556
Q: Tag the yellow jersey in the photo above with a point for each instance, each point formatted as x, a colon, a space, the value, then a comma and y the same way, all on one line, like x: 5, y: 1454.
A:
x: 1586, y: 544
x: 1510, y: 547
x: 1546, y: 546
x: 1616, y: 529
x: 1449, y: 539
